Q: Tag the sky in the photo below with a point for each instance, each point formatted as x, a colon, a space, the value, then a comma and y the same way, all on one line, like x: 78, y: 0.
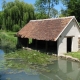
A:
x: 58, y: 7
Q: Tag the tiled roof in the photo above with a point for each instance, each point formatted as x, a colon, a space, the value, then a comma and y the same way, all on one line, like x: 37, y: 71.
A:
x: 45, y: 29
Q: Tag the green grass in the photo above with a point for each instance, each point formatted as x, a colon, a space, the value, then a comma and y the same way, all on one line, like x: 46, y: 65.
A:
x: 31, y: 57
x: 8, y: 36
x: 74, y: 54
x: 7, y: 40
x: 30, y: 41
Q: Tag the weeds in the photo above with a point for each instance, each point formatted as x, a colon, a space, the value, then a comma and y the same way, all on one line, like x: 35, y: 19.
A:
x: 7, y: 41
x: 31, y: 57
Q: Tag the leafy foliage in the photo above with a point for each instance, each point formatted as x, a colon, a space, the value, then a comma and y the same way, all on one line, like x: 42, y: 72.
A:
x: 7, y: 41
x: 15, y: 28
x: 46, y: 7
x: 72, y: 8
x: 41, y: 15
x: 16, y: 14
x: 1, y: 19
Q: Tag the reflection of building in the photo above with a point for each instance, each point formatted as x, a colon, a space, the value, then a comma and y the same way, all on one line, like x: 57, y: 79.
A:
x: 71, y: 69
x: 55, y: 73
x: 62, y: 70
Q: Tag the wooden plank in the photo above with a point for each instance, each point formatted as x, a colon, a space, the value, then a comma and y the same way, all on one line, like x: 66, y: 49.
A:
x: 46, y: 46
x: 69, y: 36
x: 36, y: 44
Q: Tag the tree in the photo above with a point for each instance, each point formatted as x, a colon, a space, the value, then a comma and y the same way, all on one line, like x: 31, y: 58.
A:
x: 46, y: 7
x: 72, y: 8
x: 3, y: 4
x: 41, y: 15
x: 1, y: 19
x: 17, y: 14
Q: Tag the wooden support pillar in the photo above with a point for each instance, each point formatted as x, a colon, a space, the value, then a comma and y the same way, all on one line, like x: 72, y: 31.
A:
x: 19, y: 40
x: 27, y: 42
x: 33, y: 41
x: 46, y: 46
x: 18, y: 45
x: 36, y: 44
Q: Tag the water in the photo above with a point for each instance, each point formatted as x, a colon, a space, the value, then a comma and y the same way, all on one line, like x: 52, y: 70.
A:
x: 60, y: 70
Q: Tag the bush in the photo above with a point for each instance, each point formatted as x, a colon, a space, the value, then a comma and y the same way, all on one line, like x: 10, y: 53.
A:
x: 16, y: 28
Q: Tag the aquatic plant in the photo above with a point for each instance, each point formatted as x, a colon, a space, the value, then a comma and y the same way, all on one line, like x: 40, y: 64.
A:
x: 31, y: 57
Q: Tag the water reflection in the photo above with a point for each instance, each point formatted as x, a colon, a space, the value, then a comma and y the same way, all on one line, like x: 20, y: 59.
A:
x: 20, y: 70
x: 70, y: 69
x: 63, y: 70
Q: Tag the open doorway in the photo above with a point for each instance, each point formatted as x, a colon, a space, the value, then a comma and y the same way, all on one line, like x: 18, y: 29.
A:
x: 69, y: 44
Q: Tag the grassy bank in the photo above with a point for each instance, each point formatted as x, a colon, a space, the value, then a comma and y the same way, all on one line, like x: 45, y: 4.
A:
x: 7, y: 41
x: 74, y: 54
x: 8, y: 36
x: 31, y: 57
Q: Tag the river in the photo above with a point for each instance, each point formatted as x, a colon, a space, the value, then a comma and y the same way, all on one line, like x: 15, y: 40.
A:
x: 60, y: 70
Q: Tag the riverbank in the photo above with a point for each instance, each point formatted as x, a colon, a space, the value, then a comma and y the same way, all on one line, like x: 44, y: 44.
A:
x: 74, y: 56
x: 31, y: 57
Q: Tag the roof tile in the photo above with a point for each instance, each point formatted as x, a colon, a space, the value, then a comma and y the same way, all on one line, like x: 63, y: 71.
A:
x: 45, y: 29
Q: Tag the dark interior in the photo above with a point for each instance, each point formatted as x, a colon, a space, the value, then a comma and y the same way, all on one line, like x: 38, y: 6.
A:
x: 69, y: 44
x: 41, y: 45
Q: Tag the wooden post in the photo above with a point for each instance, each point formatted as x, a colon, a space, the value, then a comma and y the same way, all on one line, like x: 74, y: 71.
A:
x: 33, y: 41
x: 27, y: 42
x: 46, y: 46
x: 36, y: 44
x: 18, y: 45
x: 18, y: 40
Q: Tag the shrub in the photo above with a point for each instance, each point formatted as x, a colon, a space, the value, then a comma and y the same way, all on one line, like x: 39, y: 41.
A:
x: 16, y: 28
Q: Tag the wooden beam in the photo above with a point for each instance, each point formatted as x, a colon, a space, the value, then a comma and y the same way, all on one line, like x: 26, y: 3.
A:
x: 36, y: 44
x: 46, y: 46
x: 69, y: 36
x: 27, y: 42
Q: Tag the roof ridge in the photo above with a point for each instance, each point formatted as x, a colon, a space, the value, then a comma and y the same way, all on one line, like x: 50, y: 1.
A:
x: 53, y: 18
x: 68, y: 17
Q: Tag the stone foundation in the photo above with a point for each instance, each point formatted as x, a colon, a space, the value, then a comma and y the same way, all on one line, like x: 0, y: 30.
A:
x: 69, y: 58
